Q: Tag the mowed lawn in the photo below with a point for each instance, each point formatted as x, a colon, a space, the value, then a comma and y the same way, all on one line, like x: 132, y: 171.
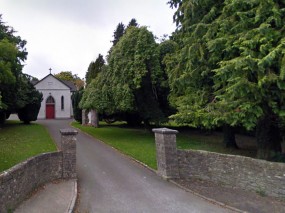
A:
x: 139, y: 143
x: 19, y: 142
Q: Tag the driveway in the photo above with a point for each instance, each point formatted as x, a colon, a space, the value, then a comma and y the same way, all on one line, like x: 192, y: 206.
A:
x: 111, y: 182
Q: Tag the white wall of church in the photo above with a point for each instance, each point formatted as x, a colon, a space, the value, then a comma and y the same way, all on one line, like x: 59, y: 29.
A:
x: 50, y: 86
x: 56, y: 94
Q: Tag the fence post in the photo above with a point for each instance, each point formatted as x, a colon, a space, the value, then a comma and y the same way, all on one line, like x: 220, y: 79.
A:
x: 166, y: 153
x: 68, y: 147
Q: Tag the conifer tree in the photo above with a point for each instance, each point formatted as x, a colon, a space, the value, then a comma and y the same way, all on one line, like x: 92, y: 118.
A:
x: 95, y: 68
x: 133, y: 23
x: 241, y: 48
x: 130, y: 83
x: 118, y: 33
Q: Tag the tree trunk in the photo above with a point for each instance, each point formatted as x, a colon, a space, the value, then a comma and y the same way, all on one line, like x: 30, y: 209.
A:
x: 2, y: 117
x: 229, y: 137
x: 268, y: 137
x: 94, y: 118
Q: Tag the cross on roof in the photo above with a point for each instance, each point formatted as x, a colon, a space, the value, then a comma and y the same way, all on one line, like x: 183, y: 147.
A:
x: 50, y: 70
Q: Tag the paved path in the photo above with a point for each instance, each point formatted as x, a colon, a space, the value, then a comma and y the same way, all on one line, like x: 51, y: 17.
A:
x: 110, y: 182
x: 56, y: 197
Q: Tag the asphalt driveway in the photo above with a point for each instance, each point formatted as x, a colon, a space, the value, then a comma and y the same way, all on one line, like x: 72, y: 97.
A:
x: 111, y: 182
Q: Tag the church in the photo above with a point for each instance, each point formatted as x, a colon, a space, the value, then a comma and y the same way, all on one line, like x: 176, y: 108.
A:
x: 56, y: 102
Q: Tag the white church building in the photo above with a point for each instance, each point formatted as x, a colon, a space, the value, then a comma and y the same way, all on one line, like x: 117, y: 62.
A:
x: 56, y: 102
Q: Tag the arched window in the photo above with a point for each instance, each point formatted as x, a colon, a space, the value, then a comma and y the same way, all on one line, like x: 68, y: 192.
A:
x: 50, y: 100
x: 62, y: 103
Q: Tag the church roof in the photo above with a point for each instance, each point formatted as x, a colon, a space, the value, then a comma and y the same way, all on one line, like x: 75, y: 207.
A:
x: 69, y: 84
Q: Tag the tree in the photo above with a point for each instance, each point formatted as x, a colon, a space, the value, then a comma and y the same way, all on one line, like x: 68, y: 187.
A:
x: 68, y: 76
x: 95, y: 68
x: 165, y: 48
x: 1, y: 104
x: 190, y: 68
x: 77, y: 111
x: 245, y: 43
x: 133, y: 23
x: 32, y: 103
x: 65, y: 75
x: 12, y: 55
x: 118, y: 33
x: 129, y: 84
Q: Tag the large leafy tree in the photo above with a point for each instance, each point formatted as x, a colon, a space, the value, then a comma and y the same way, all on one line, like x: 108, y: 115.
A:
x: 76, y: 98
x: 68, y: 76
x: 95, y: 68
x: 165, y: 48
x: 12, y: 55
x: 8, y: 53
x: 31, y: 100
x: 130, y: 82
x: 244, y: 51
x: 191, y: 66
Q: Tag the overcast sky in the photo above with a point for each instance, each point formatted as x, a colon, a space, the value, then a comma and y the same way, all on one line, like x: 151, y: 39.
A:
x: 66, y: 35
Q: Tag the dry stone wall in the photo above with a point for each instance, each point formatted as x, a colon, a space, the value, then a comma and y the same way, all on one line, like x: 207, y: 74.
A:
x: 237, y: 171
x: 19, y: 181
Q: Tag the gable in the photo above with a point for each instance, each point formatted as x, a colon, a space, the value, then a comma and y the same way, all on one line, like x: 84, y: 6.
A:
x: 51, y: 83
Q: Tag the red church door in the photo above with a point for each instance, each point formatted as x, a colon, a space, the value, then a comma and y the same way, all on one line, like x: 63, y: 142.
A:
x: 50, y: 109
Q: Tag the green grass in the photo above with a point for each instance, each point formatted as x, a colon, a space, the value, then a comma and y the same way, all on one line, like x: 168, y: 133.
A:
x: 140, y: 143
x: 137, y: 143
x: 195, y: 140
x: 18, y: 142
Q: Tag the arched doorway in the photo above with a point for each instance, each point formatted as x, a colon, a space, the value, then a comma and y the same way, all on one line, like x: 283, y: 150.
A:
x: 50, y: 108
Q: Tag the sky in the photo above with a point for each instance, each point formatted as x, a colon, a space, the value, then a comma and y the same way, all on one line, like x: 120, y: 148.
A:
x: 66, y: 35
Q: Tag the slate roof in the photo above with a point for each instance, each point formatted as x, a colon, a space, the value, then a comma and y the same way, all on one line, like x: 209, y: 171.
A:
x: 70, y: 84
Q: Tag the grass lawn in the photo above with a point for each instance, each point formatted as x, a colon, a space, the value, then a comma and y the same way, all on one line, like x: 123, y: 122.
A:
x: 18, y: 142
x: 140, y: 143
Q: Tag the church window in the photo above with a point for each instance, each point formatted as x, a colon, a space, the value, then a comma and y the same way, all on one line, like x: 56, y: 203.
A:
x: 50, y: 100
x: 62, y: 103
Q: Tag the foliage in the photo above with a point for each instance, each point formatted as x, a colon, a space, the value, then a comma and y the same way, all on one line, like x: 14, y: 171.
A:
x: 19, y: 142
x: 65, y: 75
x: 165, y: 48
x: 95, y: 68
x: 77, y: 111
x: 133, y: 23
x: 12, y: 55
x: 68, y: 76
x: 190, y: 67
x: 130, y: 82
x: 8, y: 54
x: 235, y: 50
x: 32, y: 102
x: 1, y: 105
x: 118, y: 33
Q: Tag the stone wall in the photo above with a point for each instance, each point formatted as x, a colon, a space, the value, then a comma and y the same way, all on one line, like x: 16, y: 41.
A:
x: 18, y: 182
x: 236, y: 171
